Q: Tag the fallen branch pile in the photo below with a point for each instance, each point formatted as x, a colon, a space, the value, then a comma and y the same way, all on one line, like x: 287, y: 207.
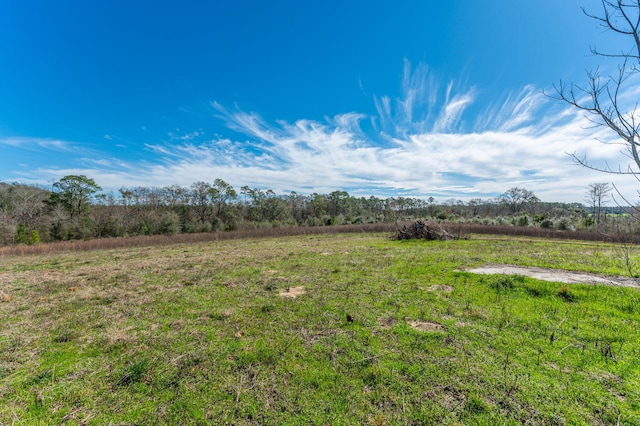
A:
x: 424, y: 230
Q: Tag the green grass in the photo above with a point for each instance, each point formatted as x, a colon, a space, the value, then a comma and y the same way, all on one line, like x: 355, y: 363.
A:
x: 199, y: 334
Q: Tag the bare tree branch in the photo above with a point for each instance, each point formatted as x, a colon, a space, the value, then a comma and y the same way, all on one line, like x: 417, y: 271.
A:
x: 601, y: 99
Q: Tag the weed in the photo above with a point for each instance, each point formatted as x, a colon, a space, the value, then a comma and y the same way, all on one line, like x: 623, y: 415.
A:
x: 629, y: 307
x: 40, y: 377
x: 566, y: 294
x: 606, y: 349
x: 218, y: 316
x: 4, y: 371
x: 132, y: 373
x: 503, y: 283
x: 475, y: 405
x: 65, y: 336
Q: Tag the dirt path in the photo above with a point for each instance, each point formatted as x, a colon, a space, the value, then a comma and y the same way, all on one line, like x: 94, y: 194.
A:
x: 557, y: 275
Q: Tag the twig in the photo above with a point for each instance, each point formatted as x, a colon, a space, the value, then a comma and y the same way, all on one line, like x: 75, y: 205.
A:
x: 574, y: 345
x: 73, y: 413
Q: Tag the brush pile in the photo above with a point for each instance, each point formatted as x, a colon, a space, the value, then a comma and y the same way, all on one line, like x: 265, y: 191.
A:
x: 424, y: 230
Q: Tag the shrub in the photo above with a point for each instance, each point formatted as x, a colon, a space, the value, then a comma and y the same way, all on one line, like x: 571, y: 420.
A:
x: 539, y: 218
x: 565, y: 293
x: 24, y: 237
x: 565, y: 224
x: 547, y: 224
x: 21, y: 234
x: 206, y: 227
x: 60, y: 231
x: 218, y: 224
x: 231, y: 223
x: 111, y: 228
x: 523, y: 221
x: 34, y: 238
x: 499, y: 221
x: 441, y: 215
x: 169, y: 224
x: 328, y: 220
x: 7, y: 233
x: 144, y: 227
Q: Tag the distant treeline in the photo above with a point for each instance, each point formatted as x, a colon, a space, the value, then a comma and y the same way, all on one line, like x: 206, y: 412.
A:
x: 76, y: 208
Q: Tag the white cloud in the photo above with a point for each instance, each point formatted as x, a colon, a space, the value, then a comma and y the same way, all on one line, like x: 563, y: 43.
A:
x: 420, y: 146
x: 39, y: 143
x: 310, y: 156
x: 452, y: 111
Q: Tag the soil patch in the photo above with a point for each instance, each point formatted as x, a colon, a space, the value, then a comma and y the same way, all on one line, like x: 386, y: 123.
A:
x: 292, y: 292
x: 386, y: 322
x: 440, y: 287
x: 426, y: 326
x: 557, y: 275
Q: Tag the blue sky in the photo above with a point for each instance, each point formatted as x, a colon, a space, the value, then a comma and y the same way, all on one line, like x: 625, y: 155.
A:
x: 405, y: 98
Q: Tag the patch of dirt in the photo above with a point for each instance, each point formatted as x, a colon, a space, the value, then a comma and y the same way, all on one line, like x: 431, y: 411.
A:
x: 292, y: 292
x: 556, y: 275
x: 426, y: 326
x: 440, y: 287
x: 386, y: 322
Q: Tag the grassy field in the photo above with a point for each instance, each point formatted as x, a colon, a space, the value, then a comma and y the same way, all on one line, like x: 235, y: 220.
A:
x: 326, y: 329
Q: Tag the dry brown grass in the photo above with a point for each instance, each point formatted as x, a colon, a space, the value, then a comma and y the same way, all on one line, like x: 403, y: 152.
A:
x: 526, y: 231
x: 292, y: 292
x: 440, y: 287
x: 458, y: 229
x: 155, y: 240
x: 426, y: 326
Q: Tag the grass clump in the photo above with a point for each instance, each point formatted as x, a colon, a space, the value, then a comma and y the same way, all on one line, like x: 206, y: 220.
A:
x: 132, y: 373
x: 566, y: 294
x: 505, y: 283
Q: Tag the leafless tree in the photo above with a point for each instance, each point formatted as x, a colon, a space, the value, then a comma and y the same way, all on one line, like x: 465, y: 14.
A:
x: 596, y: 196
x: 603, y: 97
x: 516, y: 198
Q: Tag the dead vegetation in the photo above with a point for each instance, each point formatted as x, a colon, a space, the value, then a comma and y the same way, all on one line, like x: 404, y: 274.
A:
x: 457, y: 230
x: 426, y: 326
x: 292, y: 292
x: 420, y: 230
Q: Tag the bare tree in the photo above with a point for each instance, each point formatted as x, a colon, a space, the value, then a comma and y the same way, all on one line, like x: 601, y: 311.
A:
x: 602, y: 98
x: 27, y: 203
x: 596, y: 196
x: 516, y: 198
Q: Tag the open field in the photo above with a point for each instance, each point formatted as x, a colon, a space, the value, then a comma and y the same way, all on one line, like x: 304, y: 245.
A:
x: 319, y: 329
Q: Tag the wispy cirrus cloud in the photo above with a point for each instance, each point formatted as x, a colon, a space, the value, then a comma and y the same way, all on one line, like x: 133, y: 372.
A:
x: 433, y: 139
x: 29, y: 143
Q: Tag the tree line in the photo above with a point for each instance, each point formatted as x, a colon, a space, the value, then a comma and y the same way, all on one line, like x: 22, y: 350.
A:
x: 77, y: 208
